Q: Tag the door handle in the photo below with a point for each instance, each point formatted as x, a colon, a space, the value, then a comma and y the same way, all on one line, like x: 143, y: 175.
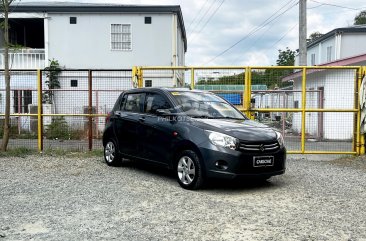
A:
x: 142, y: 119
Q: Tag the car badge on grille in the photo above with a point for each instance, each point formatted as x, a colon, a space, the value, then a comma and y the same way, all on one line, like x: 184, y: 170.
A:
x: 261, y: 148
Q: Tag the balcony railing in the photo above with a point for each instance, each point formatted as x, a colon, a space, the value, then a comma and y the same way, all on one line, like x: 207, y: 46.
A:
x: 24, y: 59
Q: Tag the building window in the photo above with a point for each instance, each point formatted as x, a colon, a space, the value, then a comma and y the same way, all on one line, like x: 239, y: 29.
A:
x: 148, y: 83
x: 74, y: 83
x: 312, y: 62
x: 329, y: 53
x: 147, y: 20
x: 22, y: 98
x: 73, y: 20
x: 121, y: 37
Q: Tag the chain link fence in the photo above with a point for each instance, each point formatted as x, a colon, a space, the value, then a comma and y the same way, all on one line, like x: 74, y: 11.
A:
x: 74, y: 106
x: 315, y: 108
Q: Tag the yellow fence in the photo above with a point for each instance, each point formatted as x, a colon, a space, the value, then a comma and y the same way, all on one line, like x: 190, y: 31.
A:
x: 316, y: 108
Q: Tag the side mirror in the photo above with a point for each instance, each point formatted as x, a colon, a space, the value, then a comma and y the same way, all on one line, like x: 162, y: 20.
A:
x: 118, y: 113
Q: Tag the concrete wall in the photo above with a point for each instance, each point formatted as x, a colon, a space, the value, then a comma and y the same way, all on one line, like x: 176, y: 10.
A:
x: 87, y: 44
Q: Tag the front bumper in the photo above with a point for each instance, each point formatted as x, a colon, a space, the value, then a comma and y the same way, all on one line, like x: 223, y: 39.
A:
x: 239, y: 164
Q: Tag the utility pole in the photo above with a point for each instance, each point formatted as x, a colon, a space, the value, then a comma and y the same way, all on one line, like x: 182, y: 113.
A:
x: 302, y: 33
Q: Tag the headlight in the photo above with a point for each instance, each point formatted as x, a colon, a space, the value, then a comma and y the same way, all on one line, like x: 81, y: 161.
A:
x: 280, y: 139
x: 223, y: 140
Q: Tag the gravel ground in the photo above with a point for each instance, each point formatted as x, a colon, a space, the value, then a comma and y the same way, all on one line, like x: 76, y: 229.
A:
x: 81, y: 198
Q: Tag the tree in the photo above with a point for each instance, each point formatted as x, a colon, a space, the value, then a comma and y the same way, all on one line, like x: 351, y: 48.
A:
x: 5, y: 6
x: 286, y: 57
x: 52, y: 82
x: 314, y: 36
x: 360, y: 18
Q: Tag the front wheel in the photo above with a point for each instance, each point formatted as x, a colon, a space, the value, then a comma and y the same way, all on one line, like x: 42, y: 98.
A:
x: 111, y: 154
x: 189, y: 170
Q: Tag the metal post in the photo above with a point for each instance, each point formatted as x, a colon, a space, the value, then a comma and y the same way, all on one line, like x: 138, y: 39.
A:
x: 246, y: 103
x: 90, y: 110
x: 362, y: 137
x: 249, y: 94
x: 192, y: 78
x: 140, y: 80
x: 39, y: 111
x: 303, y: 106
x: 134, y: 77
x: 283, y: 114
x: 302, y: 33
x: 97, y: 112
x: 19, y: 109
x: 357, y: 106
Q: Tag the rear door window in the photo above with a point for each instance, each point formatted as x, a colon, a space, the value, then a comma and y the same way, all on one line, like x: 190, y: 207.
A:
x: 134, y: 103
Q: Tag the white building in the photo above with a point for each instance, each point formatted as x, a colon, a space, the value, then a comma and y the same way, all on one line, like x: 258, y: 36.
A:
x: 331, y: 89
x: 92, y: 36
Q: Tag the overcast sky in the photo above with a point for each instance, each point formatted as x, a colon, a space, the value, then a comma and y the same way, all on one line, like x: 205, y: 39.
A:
x: 258, y: 28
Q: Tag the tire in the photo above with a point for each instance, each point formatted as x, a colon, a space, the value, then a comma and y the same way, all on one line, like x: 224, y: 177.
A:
x: 189, y: 170
x: 111, y: 154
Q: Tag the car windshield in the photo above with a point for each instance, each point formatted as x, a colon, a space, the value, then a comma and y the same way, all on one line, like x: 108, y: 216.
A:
x: 205, y: 105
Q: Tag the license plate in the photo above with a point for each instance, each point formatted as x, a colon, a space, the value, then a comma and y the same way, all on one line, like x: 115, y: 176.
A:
x: 263, y: 161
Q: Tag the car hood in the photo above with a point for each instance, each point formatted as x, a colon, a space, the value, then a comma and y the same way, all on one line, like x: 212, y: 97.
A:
x: 245, y: 130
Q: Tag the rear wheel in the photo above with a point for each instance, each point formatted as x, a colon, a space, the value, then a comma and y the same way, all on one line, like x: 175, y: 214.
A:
x: 189, y: 170
x: 111, y: 154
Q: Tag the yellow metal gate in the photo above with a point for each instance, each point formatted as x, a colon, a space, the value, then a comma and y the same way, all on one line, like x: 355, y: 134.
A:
x: 316, y: 108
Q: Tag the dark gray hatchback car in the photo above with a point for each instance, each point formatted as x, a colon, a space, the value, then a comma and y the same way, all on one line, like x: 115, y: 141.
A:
x: 197, y: 134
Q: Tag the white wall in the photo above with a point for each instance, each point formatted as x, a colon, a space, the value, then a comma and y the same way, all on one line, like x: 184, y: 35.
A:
x: 330, y: 42
x: 313, y: 82
x: 353, y: 44
x: 180, y: 47
x: 107, y: 86
x: 87, y: 43
x: 26, y: 81
x: 338, y: 94
x: 320, y: 51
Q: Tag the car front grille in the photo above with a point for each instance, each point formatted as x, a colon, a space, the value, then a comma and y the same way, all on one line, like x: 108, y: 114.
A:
x: 263, y: 148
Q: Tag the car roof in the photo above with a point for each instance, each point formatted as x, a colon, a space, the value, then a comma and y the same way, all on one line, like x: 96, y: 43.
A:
x: 163, y: 89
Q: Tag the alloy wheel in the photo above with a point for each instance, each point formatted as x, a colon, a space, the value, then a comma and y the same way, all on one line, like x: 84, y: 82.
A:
x: 186, y: 170
x: 110, y: 152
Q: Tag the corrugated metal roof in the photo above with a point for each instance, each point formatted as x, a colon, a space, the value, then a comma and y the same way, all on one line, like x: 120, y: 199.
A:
x: 73, y: 7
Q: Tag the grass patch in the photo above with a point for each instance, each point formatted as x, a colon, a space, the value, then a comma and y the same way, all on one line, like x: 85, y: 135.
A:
x: 358, y: 162
x: 18, y: 152
x: 73, y: 153
x: 23, y: 152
